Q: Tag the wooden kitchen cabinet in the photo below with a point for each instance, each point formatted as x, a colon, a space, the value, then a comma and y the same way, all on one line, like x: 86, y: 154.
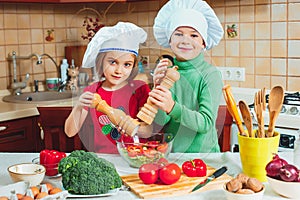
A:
x: 51, y: 122
x: 65, y: 1
x: 20, y: 135
x: 223, y: 125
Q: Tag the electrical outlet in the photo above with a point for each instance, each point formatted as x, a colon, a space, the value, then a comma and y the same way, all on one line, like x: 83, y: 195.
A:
x: 232, y: 73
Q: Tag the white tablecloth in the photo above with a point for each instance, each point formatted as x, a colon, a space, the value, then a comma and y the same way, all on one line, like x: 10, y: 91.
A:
x: 216, y: 160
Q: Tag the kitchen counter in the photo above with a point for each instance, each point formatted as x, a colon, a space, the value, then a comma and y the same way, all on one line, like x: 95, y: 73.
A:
x: 216, y: 160
x: 11, y: 111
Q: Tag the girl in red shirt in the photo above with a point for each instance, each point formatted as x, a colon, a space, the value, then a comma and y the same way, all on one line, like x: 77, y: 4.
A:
x: 113, y: 51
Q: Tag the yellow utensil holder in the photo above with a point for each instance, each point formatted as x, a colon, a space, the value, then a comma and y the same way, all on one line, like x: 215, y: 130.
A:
x: 256, y: 153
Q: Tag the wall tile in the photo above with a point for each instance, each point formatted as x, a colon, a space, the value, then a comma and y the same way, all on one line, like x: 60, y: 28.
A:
x: 294, y: 13
x: 279, y: 12
x: 219, y: 50
x: 232, y: 61
x: 249, y: 82
x: 278, y: 48
x: 262, y: 81
x: 279, y: 30
x: 293, y: 48
x: 278, y: 66
x: 2, y: 39
x: 10, y: 21
x: 231, y: 14
x: 262, y: 48
x: 36, y: 21
x: 246, y: 13
x: 293, y: 84
x: 262, y: 13
x: 11, y: 37
x: 278, y: 80
x: 24, y: 36
x: 247, y: 31
x: 1, y: 20
x: 37, y: 36
x: 247, y: 48
x: 262, y: 66
x: 294, y: 30
x: 263, y: 30
x: 23, y: 21
x: 4, y: 69
x: 246, y: 2
x: 59, y: 20
x: 232, y: 48
x: 48, y: 20
x: 248, y: 64
x: 294, y: 67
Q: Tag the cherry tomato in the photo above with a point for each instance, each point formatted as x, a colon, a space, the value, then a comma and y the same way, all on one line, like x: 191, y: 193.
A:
x: 163, y: 148
x: 194, y: 168
x: 148, y: 173
x: 133, y: 151
x: 170, y: 173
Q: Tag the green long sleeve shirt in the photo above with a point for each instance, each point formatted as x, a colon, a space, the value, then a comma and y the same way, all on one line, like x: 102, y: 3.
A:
x: 197, y: 96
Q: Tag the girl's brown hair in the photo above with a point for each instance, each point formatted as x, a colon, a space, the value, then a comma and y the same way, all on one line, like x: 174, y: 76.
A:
x: 99, y: 66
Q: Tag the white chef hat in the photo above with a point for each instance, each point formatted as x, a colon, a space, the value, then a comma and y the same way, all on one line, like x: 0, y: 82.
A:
x: 193, y: 13
x: 124, y: 36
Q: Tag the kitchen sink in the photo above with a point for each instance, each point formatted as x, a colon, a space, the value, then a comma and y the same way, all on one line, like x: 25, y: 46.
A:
x: 38, y: 97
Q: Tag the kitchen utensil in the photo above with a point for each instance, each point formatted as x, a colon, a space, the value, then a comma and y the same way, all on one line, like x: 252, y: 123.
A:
x: 215, y: 175
x: 260, y: 107
x: 245, y: 111
x: 232, y: 108
x: 181, y: 187
x: 116, y: 116
x: 149, y: 110
x: 276, y: 98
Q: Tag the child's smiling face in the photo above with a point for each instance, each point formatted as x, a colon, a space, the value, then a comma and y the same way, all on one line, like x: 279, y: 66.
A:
x: 186, y: 43
x: 117, y: 67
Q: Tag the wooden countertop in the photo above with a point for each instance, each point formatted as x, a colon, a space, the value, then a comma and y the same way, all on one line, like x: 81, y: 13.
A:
x: 11, y: 111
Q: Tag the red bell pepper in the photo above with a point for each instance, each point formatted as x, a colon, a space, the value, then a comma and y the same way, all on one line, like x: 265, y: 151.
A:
x: 50, y: 159
x: 194, y: 168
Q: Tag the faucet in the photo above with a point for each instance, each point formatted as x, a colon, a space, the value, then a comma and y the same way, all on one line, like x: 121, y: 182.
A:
x: 18, y: 86
x: 61, y: 84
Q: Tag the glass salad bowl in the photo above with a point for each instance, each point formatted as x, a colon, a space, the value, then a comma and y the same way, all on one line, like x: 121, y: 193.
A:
x: 146, y: 151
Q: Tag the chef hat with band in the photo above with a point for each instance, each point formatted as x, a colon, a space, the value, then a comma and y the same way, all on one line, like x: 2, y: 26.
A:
x: 124, y: 36
x: 192, y: 13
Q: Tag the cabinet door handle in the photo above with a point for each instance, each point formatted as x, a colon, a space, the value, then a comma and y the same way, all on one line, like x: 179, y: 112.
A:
x: 42, y: 131
x: 3, y: 128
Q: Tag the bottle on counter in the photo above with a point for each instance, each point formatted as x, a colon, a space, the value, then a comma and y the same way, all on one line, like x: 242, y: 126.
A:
x: 64, y: 70
x: 297, y: 151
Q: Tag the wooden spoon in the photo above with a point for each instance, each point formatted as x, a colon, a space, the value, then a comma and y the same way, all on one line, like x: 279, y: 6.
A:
x: 275, y: 103
x: 246, y: 116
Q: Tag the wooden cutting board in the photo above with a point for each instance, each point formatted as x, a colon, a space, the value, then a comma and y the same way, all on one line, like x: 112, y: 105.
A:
x: 183, y: 186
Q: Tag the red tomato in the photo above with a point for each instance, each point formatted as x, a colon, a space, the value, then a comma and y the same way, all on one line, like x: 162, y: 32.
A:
x: 194, y: 168
x: 148, y: 173
x: 163, y: 148
x: 170, y: 173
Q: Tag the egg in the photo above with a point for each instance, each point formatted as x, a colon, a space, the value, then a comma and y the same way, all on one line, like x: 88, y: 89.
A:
x: 55, y: 190
x: 41, y: 195
x: 35, y: 190
x: 27, y: 198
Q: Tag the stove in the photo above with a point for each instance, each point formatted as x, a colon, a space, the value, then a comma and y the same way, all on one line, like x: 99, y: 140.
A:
x: 287, y: 123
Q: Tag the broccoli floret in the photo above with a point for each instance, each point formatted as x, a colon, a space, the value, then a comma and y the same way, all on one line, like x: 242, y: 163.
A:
x: 85, y: 173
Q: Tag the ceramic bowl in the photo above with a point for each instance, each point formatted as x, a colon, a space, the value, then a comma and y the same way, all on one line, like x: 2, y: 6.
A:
x: 286, y: 189
x: 236, y: 196
x: 136, y: 154
x: 31, y: 172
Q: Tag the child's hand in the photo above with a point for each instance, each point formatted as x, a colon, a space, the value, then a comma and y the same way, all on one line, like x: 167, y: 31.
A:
x: 162, y: 98
x: 85, y: 99
x: 160, y: 71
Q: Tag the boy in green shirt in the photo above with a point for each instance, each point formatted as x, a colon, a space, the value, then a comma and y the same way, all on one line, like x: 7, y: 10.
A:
x: 189, y: 109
